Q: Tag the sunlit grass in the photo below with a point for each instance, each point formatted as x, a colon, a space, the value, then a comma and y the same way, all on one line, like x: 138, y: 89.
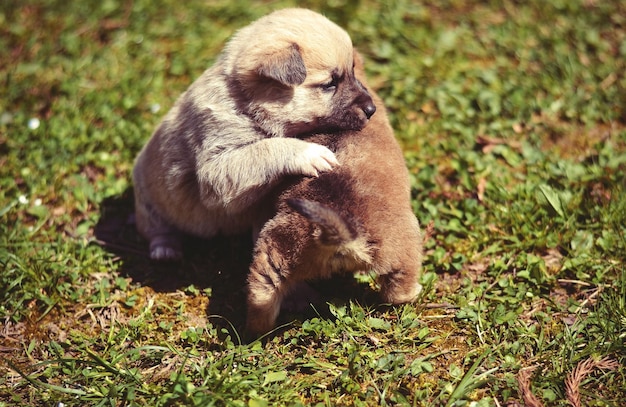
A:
x: 512, y: 119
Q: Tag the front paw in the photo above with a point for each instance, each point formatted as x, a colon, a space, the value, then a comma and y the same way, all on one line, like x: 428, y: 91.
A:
x: 316, y: 159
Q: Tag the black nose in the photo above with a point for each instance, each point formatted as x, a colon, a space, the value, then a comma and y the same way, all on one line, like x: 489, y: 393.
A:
x: 369, y: 110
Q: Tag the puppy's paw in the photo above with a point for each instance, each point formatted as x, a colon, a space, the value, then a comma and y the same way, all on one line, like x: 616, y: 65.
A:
x: 165, y: 248
x: 315, y: 159
x: 400, y: 288
x: 164, y: 253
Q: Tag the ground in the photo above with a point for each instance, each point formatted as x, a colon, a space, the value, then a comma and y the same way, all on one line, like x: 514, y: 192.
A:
x: 511, y: 116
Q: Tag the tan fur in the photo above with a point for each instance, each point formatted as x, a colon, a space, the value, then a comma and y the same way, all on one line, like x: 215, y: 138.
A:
x: 231, y: 137
x: 356, y: 218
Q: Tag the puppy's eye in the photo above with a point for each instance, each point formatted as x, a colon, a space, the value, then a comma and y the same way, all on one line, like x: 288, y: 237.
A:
x: 330, y: 85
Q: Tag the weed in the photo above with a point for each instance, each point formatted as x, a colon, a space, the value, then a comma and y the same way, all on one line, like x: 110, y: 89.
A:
x: 511, y: 115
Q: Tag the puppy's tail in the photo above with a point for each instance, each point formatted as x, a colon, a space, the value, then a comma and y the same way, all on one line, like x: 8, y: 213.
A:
x: 334, y: 229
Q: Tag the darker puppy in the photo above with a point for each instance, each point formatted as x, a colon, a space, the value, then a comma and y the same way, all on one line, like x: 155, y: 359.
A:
x: 356, y: 218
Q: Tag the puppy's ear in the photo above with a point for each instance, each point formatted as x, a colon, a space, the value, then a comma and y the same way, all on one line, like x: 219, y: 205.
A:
x: 284, y: 65
x: 358, y: 62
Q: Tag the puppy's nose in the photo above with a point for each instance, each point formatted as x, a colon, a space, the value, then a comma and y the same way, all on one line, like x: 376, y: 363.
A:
x: 369, y: 110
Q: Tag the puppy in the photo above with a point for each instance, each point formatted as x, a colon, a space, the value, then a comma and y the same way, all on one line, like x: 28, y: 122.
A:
x: 357, y: 217
x: 232, y: 136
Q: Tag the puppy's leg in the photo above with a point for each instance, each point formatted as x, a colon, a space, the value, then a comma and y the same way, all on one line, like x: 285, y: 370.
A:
x: 239, y: 177
x: 399, y: 259
x: 165, y: 240
x: 266, y: 288
x: 400, y: 285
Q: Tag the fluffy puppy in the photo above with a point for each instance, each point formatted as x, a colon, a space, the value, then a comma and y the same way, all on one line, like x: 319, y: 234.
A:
x: 355, y: 218
x: 231, y: 136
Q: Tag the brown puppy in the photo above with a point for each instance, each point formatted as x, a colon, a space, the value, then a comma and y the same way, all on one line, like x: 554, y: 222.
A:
x: 230, y: 138
x: 358, y: 217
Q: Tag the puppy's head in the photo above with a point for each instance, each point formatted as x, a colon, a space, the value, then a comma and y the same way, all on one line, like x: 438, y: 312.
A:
x: 293, y: 72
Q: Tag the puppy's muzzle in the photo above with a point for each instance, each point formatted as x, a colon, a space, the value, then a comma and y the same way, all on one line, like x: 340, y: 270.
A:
x: 365, y: 102
x: 369, y: 109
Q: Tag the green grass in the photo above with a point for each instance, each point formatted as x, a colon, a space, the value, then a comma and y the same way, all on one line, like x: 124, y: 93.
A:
x: 511, y: 115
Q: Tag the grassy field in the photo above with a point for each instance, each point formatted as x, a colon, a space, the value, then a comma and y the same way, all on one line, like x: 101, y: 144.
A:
x: 512, y: 117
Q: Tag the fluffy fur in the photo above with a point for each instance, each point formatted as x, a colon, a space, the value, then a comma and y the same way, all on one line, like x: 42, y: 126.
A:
x: 231, y: 137
x: 357, y: 217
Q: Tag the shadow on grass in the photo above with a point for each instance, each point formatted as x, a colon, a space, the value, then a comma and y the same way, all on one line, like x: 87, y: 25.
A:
x: 220, y: 263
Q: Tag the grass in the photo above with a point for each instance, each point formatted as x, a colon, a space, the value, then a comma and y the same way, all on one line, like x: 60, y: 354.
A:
x: 511, y: 115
